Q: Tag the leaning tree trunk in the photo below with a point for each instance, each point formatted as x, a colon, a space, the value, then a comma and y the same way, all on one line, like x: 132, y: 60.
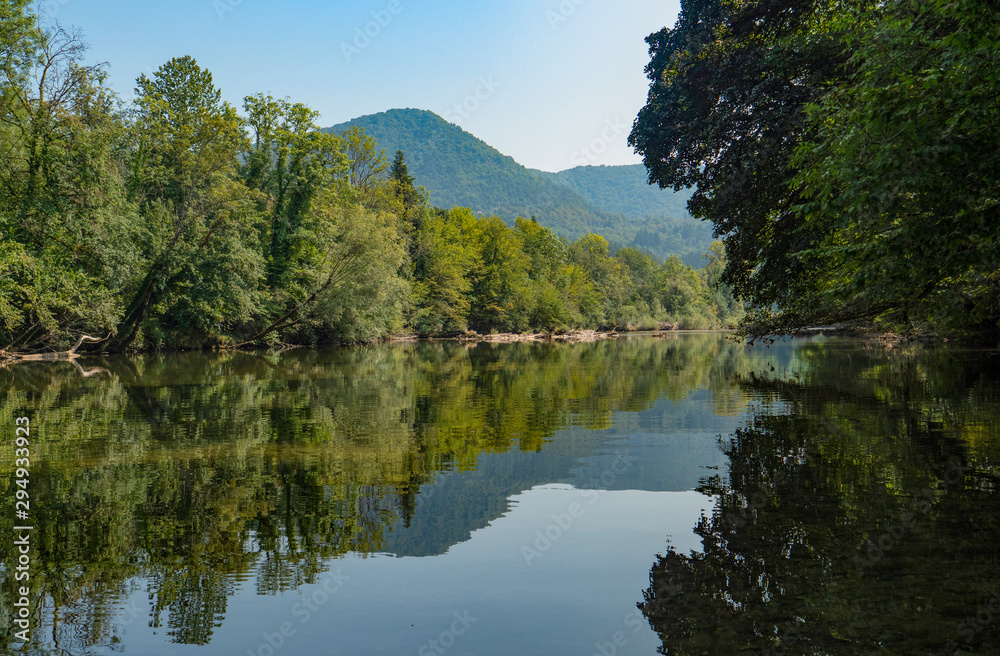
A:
x: 55, y: 355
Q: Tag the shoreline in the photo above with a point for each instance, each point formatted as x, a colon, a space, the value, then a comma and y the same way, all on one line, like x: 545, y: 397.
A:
x: 889, y: 339
x: 570, y: 336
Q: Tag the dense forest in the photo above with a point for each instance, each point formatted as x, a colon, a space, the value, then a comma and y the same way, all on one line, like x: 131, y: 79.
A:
x: 848, y: 152
x: 175, y: 220
x: 458, y: 169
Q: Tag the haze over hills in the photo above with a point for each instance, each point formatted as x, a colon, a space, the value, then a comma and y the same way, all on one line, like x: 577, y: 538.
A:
x: 621, y: 189
x: 458, y: 169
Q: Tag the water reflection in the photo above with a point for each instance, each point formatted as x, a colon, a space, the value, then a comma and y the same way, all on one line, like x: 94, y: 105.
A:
x: 851, y: 510
x: 191, y: 474
x: 862, y: 521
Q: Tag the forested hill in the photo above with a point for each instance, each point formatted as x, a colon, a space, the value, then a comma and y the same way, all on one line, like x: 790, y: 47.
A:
x: 622, y: 189
x: 458, y: 169
x: 661, y: 219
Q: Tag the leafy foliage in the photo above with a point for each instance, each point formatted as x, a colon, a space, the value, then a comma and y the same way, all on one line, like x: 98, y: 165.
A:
x: 845, y: 151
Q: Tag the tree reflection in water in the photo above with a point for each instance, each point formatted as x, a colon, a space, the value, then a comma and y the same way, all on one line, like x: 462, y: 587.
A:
x: 185, y: 475
x: 863, y: 519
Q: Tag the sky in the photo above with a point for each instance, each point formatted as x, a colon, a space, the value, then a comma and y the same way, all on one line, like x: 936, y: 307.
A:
x: 552, y: 83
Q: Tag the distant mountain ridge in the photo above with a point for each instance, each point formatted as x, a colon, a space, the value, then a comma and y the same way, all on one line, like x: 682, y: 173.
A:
x: 458, y: 169
x: 622, y: 190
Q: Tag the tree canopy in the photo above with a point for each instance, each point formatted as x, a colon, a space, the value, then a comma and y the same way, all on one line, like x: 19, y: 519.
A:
x: 846, y: 152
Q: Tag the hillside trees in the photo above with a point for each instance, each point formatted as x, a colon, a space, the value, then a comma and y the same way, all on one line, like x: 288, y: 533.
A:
x: 173, y: 221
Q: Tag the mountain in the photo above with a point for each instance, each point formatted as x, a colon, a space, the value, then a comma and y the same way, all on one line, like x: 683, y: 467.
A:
x: 621, y: 189
x: 456, y: 168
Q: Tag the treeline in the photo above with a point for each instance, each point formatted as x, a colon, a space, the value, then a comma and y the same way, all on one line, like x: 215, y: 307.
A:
x: 477, y: 273
x: 176, y: 221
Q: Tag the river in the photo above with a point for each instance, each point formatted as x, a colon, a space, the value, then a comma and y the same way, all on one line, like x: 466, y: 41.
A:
x: 689, y: 494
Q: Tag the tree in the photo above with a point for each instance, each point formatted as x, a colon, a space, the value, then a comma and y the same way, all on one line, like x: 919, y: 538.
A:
x: 66, y: 242
x: 726, y: 307
x: 292, y: 161
x: 201, y: 222
x: 730, y: 84
x: 901, y: 177
x: 366, y: 168
x: 399, y: 173
x: 443, y: 269
x: 846, y: 152
x: 610, y: 280
x: 684, y: 296
x: 500, y: 283
x: 344, y: 284
x: 546, y: 253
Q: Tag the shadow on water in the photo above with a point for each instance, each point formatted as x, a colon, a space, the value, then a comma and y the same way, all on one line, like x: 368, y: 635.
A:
x: 863, y: 519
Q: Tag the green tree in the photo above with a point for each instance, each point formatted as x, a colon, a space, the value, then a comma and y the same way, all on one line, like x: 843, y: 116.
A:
x: 684, y: 296
x: 343, y: 283
x: 547, y: 254
x: 201, y: 224
x: 901, y: 178
x: 500, y: 284
x: 366, y: 166
x: 729, y: 85
x: 399, y: 173
x: 292, y: 161
x: 846, y: 152
x: 443, y: 270
x: 726, y: 307
x: 66, y: 236
x: 592, y: 254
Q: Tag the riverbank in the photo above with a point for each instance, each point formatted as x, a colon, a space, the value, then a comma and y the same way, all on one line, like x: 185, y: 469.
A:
x: 567, y: 336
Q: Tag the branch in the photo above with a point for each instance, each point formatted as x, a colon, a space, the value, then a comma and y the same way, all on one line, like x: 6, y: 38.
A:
x: 59, y: 355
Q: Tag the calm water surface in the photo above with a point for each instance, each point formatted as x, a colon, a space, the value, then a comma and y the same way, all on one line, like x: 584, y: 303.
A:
x: 688, y: 495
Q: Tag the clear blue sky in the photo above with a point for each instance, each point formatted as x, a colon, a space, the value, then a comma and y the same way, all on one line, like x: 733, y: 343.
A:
x: 558, y: 81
